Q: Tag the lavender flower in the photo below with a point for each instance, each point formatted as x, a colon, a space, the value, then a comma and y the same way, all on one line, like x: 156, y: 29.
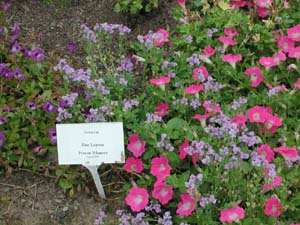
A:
x: 16, y: 47
x: 275, y: 90
x: 18, y: 74
x: 52, y: 135
x: 188, y: 38
x: 63, y: 114
x: 128, y: 104
x: 237, y: 103
x: 194, y: 181
x: 5, y: 6
x: 193, y: 60
x: 151, y: 117
x: 195, y: 103
x: 37, y: 54
x: 211, y: 84
x: 101, y: 218
x: 166, y: 220
x: 126, y: 65
x: 3, y: 120
x: 68, y: 100
x: 153, y: 207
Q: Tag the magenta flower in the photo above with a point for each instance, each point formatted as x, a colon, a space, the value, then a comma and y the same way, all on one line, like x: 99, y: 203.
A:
x: 160, y: 168
x: 288, y: 153
x: 162, y: 109
x: 273, y: 207
x: 294, y: 53
x: 267, y: 62
x: 2, y: 139
x: 277, y: 181
x: 297, y: 84
x: 279, y: 57
x: 256, y: 76
x: 181, y: 2
x: 209, y: 51
x: 271, y: 124
x: 232, y: 59
x: 162, y: 192
x: 257, y: 114
x: 264, y: 3
x: 193, y: 89
x: 182, y: 152
x: 233, y: 214
x: 202, y: 118
x: 37, y: 54
x: 5, y: 6
x: 266, y: 152
x: 239, y: 119
x: 161, y: 81
x: 285, y: 44
x: 136, y: 146
x: 186, y: 206
x: 137, y: 199
x: 238, y: 3
x: 231, y: 32
x: 294, y: 33
x: 162, y: 37
x: 200, y: 73
x: 133, y: 165
x: 226, y: 41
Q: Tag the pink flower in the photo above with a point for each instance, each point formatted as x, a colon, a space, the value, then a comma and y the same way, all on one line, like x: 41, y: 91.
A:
x: 200, y: 73
x: 186, y: 206
x: 266, y: 151
x: 209, y: 51
x: 271, y: 124
x: 182, y: 152
x: 297, y: 84
x: 294, y: 53
x: 162, y: 192
x: 133, y: 165
x: 160, y: 168
x: 163, y: 36
x: 275, y: 182
x: 273, y: 207
x: 267, y: 62
x: 279, y: 57
x: 239, y: 119
x: 137, y: 199
x: 181, y: 2
x: 294, y: 33
x: 287, y: 152
x: 211, y: 107
x: 226, y: 41
x: 285, y: 44
x: 238, y: 3
x: 231, y: 32
x: 262, y: 12
x: 256, y: 76
x: 233, y: 214
x: 202, y: 118
x: 232, y: 59
x: 162, y: 109
x: 257, y: 114
x: 136, y: 146
x: 264, y: 3
x: 193, y: 89
x: 161, y: 81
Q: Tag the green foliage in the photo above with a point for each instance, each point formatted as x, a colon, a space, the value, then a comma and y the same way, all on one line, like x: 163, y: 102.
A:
x: 135, y: 6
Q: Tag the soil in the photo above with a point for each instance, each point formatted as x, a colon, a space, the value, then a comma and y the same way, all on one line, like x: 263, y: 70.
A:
x: 31, y: 199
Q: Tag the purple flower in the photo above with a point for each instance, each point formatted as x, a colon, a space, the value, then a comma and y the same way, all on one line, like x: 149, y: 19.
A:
x: 3, y: 120
x: 18, y: 74
x: 126, y: 65
x: 52, y: 135
x: 100, y: 219
x: 37, y: 54
x: 16, y: 48
x: 72, y: 46
x: 4, y: 70
x: 2, y: 138
x: 31, y: 105
x: 49, y: 107
x: 5, y: 6
x: 38, y: 149
x: 193, y: 60
x: 15, y: 30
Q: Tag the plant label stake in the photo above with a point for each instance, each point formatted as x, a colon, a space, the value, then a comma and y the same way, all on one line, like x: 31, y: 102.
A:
x: 90, y: 144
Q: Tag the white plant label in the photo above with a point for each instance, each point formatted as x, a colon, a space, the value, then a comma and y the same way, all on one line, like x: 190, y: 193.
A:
x: 90, y: 144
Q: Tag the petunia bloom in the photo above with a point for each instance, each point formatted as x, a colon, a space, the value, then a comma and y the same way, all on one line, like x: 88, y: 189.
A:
x: 162, y: 192
x: 161, y: 81
x: 256, y: 76
x: 182, y: 152
x: 209, y: 51
x: 267, y: 62
x: 274, y: 183
x: 271, y: 124
x: 257, y: 114
x: 273, y: 207
x: 137, y: 199
x: 294, y: 33
x: 193, y: 89
x: 186, y: 206
x: 134, y: 165
x: 136, y: 146
x: 232, y: 59
x: 266, y: 152
x: 285, y: 44
x: 162, y: 109
x: 233, y: 214
x: 226, y: 41
x: 200, y: 73
x: 288, y: 153
x: 160, y: 168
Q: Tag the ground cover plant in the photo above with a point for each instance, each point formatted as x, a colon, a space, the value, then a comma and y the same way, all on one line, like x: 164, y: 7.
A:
x: 210, y: 112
